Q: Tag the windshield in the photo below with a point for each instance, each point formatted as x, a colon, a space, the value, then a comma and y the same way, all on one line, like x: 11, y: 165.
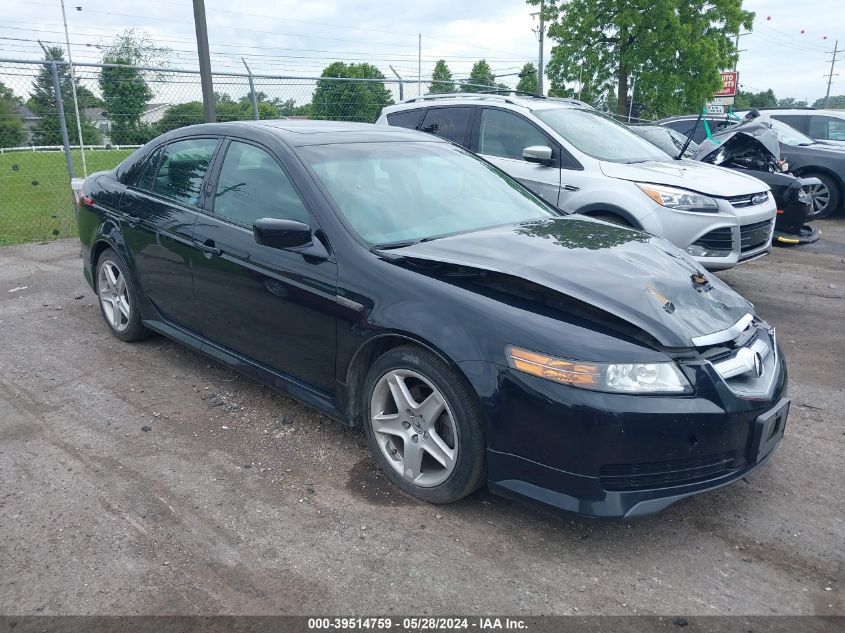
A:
x: 600, y: 136
x: 788, y: 134
x: 395, y: 193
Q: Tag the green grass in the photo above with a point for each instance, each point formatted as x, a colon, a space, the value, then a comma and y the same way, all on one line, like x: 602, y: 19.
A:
x: 35, y: 198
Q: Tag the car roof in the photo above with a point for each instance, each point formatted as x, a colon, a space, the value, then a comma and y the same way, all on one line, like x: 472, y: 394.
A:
x: 802, y: 111
x: 529, y: 102
x: 301, y: 132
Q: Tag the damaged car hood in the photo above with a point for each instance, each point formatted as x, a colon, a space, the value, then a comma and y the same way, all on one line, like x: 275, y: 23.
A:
x: 686, y: 174
x: 628, y: 274
x: 753, y: 136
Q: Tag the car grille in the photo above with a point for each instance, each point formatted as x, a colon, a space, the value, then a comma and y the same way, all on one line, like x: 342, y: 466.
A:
x: 754, y: 236
x: 679, y: 472
x: 740, y: 202
x: 736, y: 366
x: 717, y: 240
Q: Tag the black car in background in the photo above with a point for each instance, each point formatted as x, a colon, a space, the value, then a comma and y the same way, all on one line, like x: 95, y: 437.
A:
x: 805, y: 157
x: 395, y: 281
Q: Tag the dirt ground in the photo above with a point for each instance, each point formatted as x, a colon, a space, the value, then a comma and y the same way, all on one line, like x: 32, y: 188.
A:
x: 240, y: 501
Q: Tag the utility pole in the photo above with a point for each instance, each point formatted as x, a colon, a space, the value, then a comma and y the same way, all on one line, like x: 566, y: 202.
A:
x: 541, y: 32
x: 205, y: 61
x: 542, y: 37
x: 419, y: 64
x: 830, y: 77
x: 736, y: 46
x: 73, y: 91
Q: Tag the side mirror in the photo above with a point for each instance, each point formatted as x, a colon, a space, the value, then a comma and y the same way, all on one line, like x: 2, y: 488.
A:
x: 281, y: 233
x: 540, y: 154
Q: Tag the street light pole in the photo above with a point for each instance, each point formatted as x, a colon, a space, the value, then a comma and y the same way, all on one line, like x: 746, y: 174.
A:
x: 205, y: 61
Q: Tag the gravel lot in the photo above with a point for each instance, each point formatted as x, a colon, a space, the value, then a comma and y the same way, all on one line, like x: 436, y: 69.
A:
x: 240, y: 501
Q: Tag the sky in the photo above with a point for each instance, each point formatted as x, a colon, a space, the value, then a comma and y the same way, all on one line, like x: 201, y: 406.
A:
x: 301, y: 37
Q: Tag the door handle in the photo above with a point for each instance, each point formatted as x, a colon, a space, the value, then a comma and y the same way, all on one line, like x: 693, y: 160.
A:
x: 208, y: 248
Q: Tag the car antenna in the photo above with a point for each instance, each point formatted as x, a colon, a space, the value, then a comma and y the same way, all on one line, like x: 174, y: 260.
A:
x: 689, y: 137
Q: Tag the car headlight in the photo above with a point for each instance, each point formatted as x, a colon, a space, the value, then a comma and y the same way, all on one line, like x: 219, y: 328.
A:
x: 680, y: 199
x: 643, y: 378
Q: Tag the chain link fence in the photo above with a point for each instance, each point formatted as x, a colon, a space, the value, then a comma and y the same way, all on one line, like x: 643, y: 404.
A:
x: 44, y: 141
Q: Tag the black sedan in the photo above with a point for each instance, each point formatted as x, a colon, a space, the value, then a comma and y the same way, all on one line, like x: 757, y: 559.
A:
x: 806, y: 158
x: 394, y: 281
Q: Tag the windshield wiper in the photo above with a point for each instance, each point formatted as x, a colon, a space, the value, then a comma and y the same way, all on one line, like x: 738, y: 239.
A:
x: 391, y: 245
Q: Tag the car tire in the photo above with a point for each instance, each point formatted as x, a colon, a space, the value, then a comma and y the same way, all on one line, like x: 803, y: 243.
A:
x: 426, y: 434
x: 834, y: 195
x: 612, y: 218
x: 118, y: 298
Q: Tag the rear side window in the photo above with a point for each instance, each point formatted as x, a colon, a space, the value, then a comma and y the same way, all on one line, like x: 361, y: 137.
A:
x: 148, y: 171
x: 410, y: 119
x: 449, y: 123
x: 505, y: 134
x: 183, y: 168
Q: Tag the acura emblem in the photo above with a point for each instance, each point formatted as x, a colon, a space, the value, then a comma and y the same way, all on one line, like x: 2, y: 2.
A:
x: 758, y: 364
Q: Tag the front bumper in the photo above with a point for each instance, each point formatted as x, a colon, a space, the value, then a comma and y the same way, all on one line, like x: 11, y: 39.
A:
x: 614, y: 455
x: 722, y: 240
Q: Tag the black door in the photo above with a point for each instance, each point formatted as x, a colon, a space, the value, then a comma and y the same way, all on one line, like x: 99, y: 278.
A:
x: 273, y: 306
x: 159, y: 212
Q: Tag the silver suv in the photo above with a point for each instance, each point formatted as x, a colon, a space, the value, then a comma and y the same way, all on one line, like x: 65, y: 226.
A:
x: 582, y: 161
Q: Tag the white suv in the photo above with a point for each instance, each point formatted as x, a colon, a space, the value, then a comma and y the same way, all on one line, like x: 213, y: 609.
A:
x: 582, y: 161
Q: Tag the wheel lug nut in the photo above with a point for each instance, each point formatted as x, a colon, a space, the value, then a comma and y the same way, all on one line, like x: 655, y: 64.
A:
x: 406, y: 425
x: 415, y: 438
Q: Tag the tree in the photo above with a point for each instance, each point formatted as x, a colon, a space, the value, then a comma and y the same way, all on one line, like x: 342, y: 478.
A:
x: 12, y: 131
x: 43, y: 103
x: 836, y: 101
x: 126, y: 92
x: 441, y: 79
x: 480, y: 75
x: 268, y: 108
x: 791, y: 102
x: 747, y: 100
x: 528, y: 79
x: 674, y: 48
x: 226, y: 109
x: 350, y: 100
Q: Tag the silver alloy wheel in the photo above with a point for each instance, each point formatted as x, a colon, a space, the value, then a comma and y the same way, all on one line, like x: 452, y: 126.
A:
x: 820, y: 195
x: 414, y: 427
x: 114, y: 297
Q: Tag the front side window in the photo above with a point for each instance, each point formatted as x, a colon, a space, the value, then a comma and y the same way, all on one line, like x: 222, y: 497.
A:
x: 599, y: 136
x: 391, y: 193
x: 788, y: 134
x: 505, y: 134
x: 448, y: 123
x: 183, y: 168
x: 252, y: 185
